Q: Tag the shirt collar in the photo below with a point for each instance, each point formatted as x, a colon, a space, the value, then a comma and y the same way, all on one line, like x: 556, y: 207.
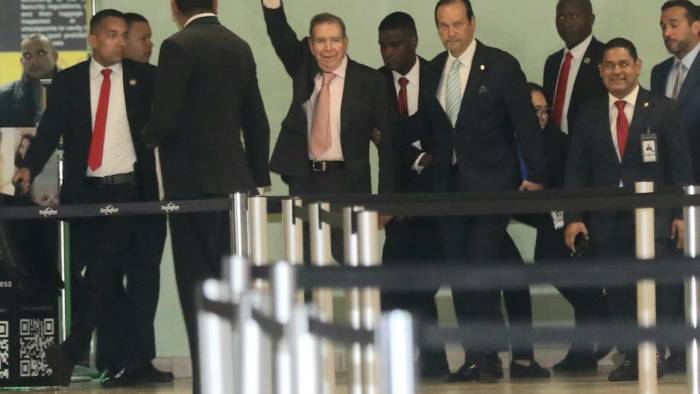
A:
x: 689, y: 58
x: 413, y: 75
x: 202, y: 15
x: 96, y: 68
x: 466, y: 57
x: 580, y: 50
x: 630, y: 98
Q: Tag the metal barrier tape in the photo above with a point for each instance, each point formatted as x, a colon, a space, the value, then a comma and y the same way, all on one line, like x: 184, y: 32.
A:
x: 224, y: 310
x: 270, y: 326
x: 340, y: 334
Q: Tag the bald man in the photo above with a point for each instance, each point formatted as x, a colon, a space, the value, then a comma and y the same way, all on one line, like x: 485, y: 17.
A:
x: 21, y: 101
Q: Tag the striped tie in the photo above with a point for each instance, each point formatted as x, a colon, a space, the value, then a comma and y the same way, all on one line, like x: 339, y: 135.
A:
x: 453, y: 93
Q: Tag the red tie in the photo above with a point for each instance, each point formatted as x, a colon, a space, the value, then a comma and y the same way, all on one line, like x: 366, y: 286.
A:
x: 403, y: 96
x: 562, y: 82
x: 623, y: 127
x: 98, y: 134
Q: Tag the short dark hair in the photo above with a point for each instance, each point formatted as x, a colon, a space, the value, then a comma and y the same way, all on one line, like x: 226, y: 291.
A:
x: 399, y: 21
x: 619, y: 42
x: 588, y: 7
x: 193, y: 7
x: 533, y: 87
x: 692, y: 12
x: 326, y: 18
x: 99, y: 17
x: 132, y: 17
x: 467, y: 4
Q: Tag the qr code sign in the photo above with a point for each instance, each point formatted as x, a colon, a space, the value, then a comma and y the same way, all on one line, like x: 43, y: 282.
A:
x: 35, y: 336
x: 4, y: 350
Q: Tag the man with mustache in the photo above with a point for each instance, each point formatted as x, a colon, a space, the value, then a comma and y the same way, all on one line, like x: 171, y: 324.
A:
x: 628, y: 136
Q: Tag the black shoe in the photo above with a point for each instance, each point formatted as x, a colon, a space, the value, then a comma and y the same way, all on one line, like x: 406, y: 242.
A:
x: 490, y: 369
x: 675, y: 364
x: 466, y: 373
x: 629, y: 371
x: 577, y: 362
x: 532, y: 371
x: 147, y: 374
x: 109, y: 373
x: 61, y: 366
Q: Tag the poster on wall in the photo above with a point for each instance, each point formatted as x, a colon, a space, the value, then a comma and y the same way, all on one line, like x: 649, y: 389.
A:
x: 62, y: 21
x: 14, y: 143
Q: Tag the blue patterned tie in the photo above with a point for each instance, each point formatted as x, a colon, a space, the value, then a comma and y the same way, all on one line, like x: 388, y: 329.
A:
x: 453, y: 93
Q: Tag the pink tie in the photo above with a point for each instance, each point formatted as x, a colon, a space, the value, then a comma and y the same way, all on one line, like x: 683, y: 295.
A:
x: 98, y: 134
x: 320, y: 139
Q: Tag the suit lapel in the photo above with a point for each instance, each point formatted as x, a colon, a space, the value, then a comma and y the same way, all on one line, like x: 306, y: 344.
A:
x: 130, y: 82
x: 349, y: 99
x: 659, y: 84
x: 604, y: 128
x: 690, y: 80
x: 640, y: 122
x: 82, y: 91
x: 476, y: 75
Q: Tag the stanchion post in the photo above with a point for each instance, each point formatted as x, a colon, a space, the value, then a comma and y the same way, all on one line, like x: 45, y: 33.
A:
x: 368, y: 243
x: 235, y: 274
x: 306, y: 353
x: 238, y: 220
x: 646, y: 292
x: 395, y: 342
x: 283, y: 301
x: 253, y: 346
x: 691, y: 216
x: 353, y: 300
x: 293, y: 232
x: 320, y: 243
x: 215, y: 365
x: 257, y: 216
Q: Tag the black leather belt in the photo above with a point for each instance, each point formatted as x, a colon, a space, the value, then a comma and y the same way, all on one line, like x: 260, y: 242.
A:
x: 117, y: 179
x: 323, y: 166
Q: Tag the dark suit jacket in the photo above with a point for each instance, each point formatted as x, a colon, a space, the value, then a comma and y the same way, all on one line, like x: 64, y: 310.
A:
x: 206, y: 93
x: 17, y: 105
x: 688, y: 104
x: 68, y: 113
x: 593, y: 162
x: 588, y: 83
x: 366, y: 105
x: 496, y: 107
x: 410, y: 130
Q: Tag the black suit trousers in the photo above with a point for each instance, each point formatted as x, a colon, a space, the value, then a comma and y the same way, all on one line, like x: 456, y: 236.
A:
x: 101, y: 246
x: 474, y: 241
x: 415, y: 241
x: 199, y: 240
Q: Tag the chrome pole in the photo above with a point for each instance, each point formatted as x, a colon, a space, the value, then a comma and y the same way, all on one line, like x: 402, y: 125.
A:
x: 283, y: 301
x: 259, y: 255
x: 320, y: 243
x: 238, y: 221
x: 368, y: 245
x: 353, y: 300
x: 306, y: 352
x: 691, y: 216
x: 646, y: 292
x: 215, y: 365
x: 395, y: 342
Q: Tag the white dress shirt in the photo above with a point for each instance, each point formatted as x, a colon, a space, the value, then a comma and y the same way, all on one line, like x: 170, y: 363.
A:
x: 578, y: 53
x: 631, y: 100
x: 465, y: 60
x: 337, y: 86
x: 202, y: 15
x: 412, y: 89
x: 687, y: 61
x: 118, y: 156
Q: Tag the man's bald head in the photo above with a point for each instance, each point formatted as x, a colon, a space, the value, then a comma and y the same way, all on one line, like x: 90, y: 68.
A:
x: 38, y: 56
x: 574, y: 21
x: 584, y: 4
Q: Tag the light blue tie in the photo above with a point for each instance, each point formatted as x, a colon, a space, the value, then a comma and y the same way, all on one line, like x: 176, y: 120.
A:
x: 453, y: 93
